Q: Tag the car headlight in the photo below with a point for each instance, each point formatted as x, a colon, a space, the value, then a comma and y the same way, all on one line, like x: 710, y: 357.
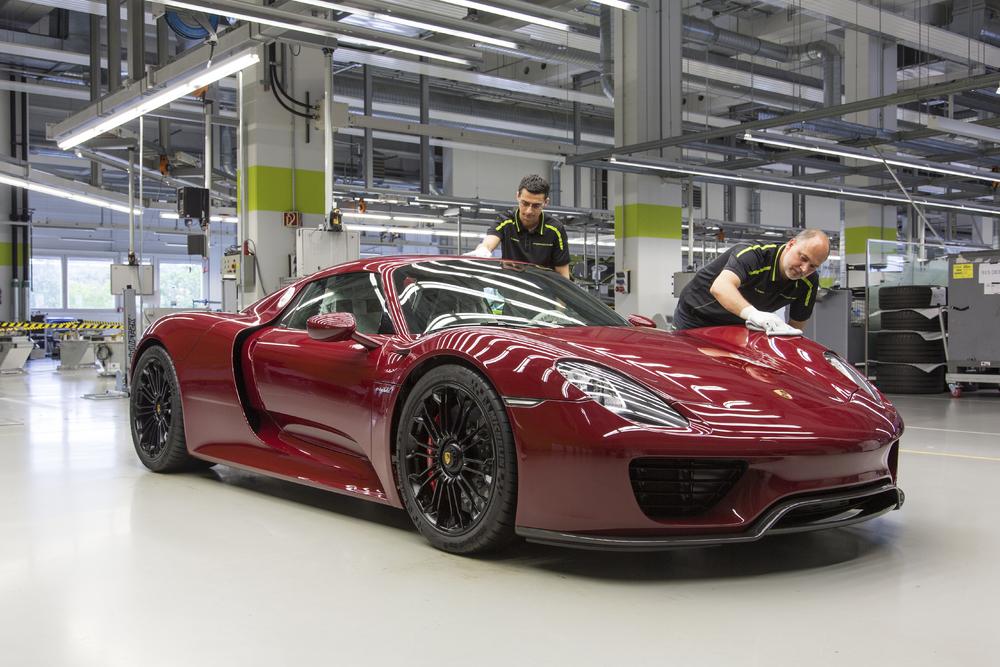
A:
x: 618, y: 394
x: 852, y: 374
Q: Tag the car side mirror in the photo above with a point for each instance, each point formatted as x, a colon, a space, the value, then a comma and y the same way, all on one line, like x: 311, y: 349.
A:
x: 641, y: 321
x: 334, y: 327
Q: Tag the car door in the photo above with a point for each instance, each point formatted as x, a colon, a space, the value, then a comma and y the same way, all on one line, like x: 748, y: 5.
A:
x: 319, y: 392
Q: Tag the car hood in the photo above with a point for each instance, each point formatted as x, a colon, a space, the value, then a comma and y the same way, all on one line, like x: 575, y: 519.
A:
x: 722, y: 370
x: 701, y: 365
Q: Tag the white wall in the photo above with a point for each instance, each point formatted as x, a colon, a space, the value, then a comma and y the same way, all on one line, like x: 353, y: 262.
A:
x: 485, y: 175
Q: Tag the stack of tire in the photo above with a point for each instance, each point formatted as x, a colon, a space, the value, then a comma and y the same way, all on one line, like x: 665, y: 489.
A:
x: 903, y: 354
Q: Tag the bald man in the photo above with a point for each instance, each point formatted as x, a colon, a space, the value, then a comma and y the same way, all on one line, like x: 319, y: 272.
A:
x: 748, y: 282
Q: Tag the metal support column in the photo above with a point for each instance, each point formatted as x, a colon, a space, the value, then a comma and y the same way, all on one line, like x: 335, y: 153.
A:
x: 689, y: 207
x: 369, y: 159
x: 162, y: 56
x: 136, y: 40
x: 114, y: 25
x: 95, y: 82
x: 577, y: 175
x: 798, y: 219
x: 131, y: 206
x: 328, y: 204
x: 241, y: 192
x: 426, y: 160
x: 555, y: 185
x: 207, y: 160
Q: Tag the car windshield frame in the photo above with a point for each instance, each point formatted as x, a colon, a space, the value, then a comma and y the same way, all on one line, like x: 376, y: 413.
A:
x: 494, y: 293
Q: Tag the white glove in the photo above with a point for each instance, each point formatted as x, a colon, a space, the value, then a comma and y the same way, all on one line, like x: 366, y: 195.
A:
x: 764, y: 321
x: 785, y: 330
x: 480, y: 251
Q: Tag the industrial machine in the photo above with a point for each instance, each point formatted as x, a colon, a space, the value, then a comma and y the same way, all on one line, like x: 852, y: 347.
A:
x: 838, y: 323
x: 75, y: 351
x: 317, y: 249
x: 14, y: 352
x: 973, y: 318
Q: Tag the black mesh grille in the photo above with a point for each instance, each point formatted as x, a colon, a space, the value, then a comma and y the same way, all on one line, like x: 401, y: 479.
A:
x: 670, y: 488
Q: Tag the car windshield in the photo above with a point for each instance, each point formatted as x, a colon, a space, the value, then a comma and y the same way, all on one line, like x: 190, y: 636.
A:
x: 437, y: 294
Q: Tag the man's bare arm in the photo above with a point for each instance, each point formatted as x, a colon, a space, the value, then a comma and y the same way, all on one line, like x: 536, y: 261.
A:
x: 726, y: 290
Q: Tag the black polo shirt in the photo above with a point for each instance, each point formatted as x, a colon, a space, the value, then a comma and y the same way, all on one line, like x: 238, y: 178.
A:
x: 761, y: 283
x: 545, y: 245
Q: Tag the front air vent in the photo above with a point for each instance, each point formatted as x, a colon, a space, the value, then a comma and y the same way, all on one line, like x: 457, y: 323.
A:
x: 670, y: 488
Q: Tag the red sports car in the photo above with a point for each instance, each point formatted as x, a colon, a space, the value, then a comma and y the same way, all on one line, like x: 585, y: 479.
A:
x: 493, y: 399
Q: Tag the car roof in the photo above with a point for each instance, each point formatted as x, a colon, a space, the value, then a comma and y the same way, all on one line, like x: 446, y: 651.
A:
x: 378, y: 264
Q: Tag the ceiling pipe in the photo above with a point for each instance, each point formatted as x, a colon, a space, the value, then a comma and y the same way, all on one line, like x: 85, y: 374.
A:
x: 704, y: 32
x: 607, y: 55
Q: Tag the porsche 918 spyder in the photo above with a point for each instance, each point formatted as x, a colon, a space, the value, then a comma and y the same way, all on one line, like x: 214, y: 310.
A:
x: 492, y: 399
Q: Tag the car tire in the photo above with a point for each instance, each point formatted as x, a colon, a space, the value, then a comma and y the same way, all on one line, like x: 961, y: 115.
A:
x: 905, y: 379
x: 456, y: 462
x: 905, y: 296
x: 156, y: 415
x: 908, y: 348
x: 910, y: 320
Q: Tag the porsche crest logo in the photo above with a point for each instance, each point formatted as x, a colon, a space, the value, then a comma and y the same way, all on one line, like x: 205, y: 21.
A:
x: 447, y: 458
x: 783, y: 393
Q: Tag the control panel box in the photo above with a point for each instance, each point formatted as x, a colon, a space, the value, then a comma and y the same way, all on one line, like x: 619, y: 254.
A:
x: 317, y: 249
x: 138, y: 277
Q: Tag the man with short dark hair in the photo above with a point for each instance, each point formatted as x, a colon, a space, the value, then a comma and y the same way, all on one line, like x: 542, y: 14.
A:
x: 749, y: 282
x: 527, y: 234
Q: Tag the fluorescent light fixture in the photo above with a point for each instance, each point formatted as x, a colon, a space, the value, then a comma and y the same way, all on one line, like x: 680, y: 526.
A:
x: 223, y: 218
x: 807, y: 188
x: 166, y: 215
x: 413, y: 231
x: 374, y: 229
x: 75, y: 240
x: 142, y: 104
x: 176, y: 245
x: 509, y: 13
x: 424, y: 200
x: 971, y: 130
x: 64, y: 194
x: 814, y: 148
x: 366, y: 216
x: 420, y: 25
x: 408, y: 218
x: 618, y: 4
x: 343, y: 39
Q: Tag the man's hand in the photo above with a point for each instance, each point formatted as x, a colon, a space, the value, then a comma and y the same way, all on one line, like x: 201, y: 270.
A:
x: 763, y: 321
x: 480, y: 251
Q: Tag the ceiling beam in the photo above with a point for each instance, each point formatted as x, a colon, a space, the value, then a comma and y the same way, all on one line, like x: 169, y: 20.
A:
x: 922, y: 36
x: 924, y: 92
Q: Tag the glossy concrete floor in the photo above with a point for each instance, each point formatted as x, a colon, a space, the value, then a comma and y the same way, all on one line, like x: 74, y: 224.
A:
x: 103, y: 563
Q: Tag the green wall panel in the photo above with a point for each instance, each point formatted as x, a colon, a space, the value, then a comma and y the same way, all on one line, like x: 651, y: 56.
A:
x: 856, y: 238
x: 270, y: 189
x: 648, y: 221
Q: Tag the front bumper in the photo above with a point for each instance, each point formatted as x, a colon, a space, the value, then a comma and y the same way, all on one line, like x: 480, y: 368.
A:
x: 791, y: 516
x: 574, y: 474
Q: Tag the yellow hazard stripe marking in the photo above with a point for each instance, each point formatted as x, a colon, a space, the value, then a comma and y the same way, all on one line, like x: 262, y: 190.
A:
x: 558, y: 235
x: 952, y: 456
x: 757, y: 247
x: 38, y: 326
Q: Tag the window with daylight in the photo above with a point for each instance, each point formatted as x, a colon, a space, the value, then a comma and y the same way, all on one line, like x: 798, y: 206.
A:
x: 46, y: 283
x: 181, y: 284
x: 89, y: 284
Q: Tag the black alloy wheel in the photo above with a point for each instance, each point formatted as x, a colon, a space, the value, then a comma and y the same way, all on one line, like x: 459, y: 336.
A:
x: 455, y: 460
x: 156, y: 415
